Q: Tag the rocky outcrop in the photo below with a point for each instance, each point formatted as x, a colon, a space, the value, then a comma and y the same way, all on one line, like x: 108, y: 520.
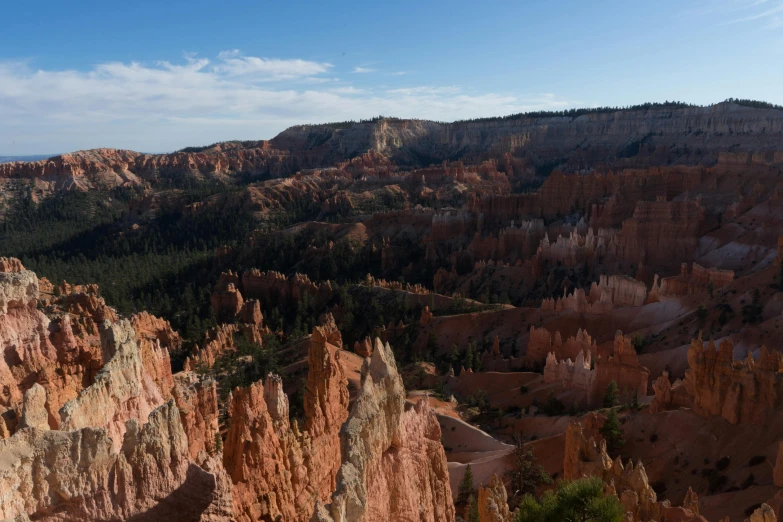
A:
x: 18, y: 287
x: 80, y: 475
x: 34, y: 414
x: 363, y: 348
x: 568, y: 374
x: 394, y: 467
x: 540, y: 344
x: 227, y: 303
x: 493, y: 502
x: 606, y: 295
x: 197, y: 401
x: 219, y: 341
x: 763, y: 513
x: 690, y: 281
x: 122, y: 390
x: 743, y: 391
x: 584, y: 457
x: 669, y: 396
x: 58, y: 349
x: 516, y: 242
x: 272, y: 287
x: 119, y: 450
x: 622, y: 367
x: 276, y: 469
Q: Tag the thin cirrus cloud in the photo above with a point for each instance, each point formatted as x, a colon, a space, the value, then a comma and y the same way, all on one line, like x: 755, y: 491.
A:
x: 728, y: 12
x: 360, y: 70
x: 232, y: 63
x: 163, y: 106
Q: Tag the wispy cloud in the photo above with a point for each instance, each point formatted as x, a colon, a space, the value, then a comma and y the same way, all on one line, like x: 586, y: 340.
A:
x: 728, y: 12
x: 232, y: 63
x: 758, y: 16
x: 399, y: 73
x: 163, y: 106
x: 363, y: 70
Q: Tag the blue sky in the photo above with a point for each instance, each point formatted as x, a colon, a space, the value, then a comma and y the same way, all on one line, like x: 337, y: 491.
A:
x: 157, y: 76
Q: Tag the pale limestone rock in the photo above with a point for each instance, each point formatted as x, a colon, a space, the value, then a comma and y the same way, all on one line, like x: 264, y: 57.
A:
x: 17, y: 289
x: 122, y: 390
x: 34, y: 414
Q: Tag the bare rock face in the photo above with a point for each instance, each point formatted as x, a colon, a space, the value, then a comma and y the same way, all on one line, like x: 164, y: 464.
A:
x: 606, y: 295
x: 621, y: 367
x: 763, y: 514
x: 57, y: 350
x: 276, y: 469
x: 741, y: 392
x: 690, y: 281
x: 78, y: 475
x: 669, y: 396
x: 18, y: 287
x: 327, y: 332
x: 227, y: 302
x: 10, y: 264
x: 219, y: 341
x: 541, y: 344
x: 34, y: 414
x: 122, y: 390
x: 198, y: 409
x: 426, y: 317
x: 394, y: 467
x: 363, y: 347
x: 576, y: 375
x: 493, y: 502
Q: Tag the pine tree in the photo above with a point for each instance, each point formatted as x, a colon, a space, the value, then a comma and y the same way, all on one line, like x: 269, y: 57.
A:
x: 612, y: 395
x: 468, y: 359
x: 526, y: 474
x: 473, y: 510
x: 218, y: 443
x: 465, y: 490
x: 454, y: 357
x: 613, y: 432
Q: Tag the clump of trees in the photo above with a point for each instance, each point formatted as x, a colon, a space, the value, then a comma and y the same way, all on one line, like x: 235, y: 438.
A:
x: 581, y: 500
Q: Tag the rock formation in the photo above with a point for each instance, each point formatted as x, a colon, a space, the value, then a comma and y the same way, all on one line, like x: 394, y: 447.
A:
x: 669, y: 396
x: 621, y: 367
x: 78, y: 475
x: 690, y: 281
x: 122, y: 390
x: 540, y: 344
x: 493, y: 502
x: 382, y: 435
x: 568, y: 374
x: 584, y: 458
x: 603, y: 297
x: 740, y: 391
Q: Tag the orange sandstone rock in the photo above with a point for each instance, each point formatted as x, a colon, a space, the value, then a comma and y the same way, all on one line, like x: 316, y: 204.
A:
x: 493, y: 502
x: 393, y: 465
